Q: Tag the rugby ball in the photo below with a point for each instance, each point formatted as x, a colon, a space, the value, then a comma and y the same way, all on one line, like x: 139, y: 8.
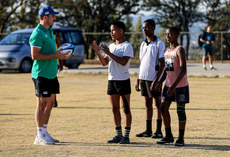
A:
x: 67, y: 48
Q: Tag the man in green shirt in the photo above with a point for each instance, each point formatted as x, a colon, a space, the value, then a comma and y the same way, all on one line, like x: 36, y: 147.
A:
x: 44, y: 72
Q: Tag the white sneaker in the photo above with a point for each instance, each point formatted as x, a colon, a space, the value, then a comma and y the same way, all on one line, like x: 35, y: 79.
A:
x: 42, y: 141
x: 48, y: 136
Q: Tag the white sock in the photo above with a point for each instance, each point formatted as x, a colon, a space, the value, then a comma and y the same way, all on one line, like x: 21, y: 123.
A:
x: 211, y: 65
x: 204, y: 65
x: 40, y: 131
x: 45, y: 129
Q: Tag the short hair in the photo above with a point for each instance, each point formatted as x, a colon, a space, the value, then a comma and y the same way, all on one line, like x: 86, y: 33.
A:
x: 119, y: 24
x: 175, y: 29
x: 150, y: 22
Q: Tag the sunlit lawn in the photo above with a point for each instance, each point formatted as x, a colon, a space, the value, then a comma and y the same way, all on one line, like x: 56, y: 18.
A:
x: 83, y: 120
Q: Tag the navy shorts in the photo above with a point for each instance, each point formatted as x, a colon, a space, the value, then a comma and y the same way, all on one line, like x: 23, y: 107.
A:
x: 145, y: 89
x: 180, y: 96
x: 121, y: 87
x: 207, y: 51
x: 45, y: 86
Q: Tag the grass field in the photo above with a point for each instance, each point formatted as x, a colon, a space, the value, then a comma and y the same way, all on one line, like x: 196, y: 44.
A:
x: 83, y: 120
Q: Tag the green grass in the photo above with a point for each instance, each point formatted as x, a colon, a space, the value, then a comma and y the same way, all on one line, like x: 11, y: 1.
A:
x: 83, y: 121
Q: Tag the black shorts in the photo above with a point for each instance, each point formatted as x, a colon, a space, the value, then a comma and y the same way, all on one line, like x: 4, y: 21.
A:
x: 45, y: 86
x: 145, y: 89
x: 122, y: 87
x: 181, y: 95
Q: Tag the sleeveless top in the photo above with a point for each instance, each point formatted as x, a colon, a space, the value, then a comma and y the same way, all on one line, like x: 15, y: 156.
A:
x: 173, y: 70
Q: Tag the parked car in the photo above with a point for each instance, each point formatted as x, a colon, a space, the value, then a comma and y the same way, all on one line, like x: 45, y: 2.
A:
x: 15, y: 49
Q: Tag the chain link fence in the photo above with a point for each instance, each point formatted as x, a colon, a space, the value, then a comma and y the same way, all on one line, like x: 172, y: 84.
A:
x: 221, y: 45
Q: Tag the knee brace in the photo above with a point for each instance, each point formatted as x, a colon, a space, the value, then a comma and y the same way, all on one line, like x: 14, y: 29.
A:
x: 181, y: 113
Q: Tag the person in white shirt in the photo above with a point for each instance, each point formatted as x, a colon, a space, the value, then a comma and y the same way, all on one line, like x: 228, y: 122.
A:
x: 151, y: 68
x: 117, y: 58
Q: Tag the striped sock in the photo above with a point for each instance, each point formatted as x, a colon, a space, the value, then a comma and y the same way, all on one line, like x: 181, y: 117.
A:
x: 127, y: 131
x: 119, y: 131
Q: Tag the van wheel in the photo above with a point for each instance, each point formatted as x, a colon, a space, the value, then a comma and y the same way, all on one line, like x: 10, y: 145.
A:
x: 25, y: 66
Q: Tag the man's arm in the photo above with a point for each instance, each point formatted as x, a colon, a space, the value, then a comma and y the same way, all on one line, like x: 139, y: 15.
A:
x: 36, y: 55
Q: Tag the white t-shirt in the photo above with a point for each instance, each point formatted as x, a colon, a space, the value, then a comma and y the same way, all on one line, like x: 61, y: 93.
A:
x: 117, y: 71
x: 148, y: 58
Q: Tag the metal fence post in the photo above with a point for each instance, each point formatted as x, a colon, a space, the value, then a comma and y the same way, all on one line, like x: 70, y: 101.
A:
x: 221, y: 34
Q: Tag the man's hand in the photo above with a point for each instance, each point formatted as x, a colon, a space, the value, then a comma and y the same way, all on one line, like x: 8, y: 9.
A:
x: 137, y: 85
x: 62, y: 56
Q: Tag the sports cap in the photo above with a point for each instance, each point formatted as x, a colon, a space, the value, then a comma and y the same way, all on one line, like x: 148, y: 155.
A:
x: 47, y: 10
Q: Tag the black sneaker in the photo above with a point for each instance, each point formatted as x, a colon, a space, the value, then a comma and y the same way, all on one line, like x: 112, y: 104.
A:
x: 166, y: 140
x: 144, y: 134
x: 116, y: 139
x: 179, y: 143
x: 157, y: 135
x: 125, y: 140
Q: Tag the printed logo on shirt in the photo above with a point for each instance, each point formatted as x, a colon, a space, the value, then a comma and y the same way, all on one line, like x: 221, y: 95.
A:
x: 46, y: 35
x: 169, y: 63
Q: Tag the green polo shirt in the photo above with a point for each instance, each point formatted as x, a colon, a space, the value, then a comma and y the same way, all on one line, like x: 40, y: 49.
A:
x: 44, y: 38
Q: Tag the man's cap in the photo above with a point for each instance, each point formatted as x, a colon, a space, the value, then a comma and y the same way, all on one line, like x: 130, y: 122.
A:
x: 47, y: 10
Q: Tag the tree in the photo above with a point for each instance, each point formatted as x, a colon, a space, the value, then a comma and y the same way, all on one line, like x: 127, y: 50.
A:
x: 129, y: 26
x: 18, y: 14
x: 218, y: 16
x: 93, y: 15
x: 8, y: 9
x: 137, y: 38
x: 177, y: 13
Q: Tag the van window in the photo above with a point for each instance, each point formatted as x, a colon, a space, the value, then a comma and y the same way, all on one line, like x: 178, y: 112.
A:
x: 15, y: 39
x: 73, y: 37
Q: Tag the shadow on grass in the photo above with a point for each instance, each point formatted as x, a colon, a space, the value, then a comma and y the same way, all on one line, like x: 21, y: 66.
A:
x: 209, y: 147
x: 132, y: 144
x: 11, y: 114
x: 90, y: 107
x: 142, y: 144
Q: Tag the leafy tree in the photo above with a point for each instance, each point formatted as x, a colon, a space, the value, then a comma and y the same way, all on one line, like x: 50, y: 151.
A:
x: 18, y: 14
x: 177, y: 13
x: 129, y: 27
x: 136, y: 37
x: 93, y: 15
x: 218, y: 16
x: 8, y: 9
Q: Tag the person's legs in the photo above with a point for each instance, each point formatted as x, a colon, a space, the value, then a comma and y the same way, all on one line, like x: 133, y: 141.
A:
x: 167, y: 123
x: 204, y: 53
x: 128, y: 115
x: 128, y: 118
x: 182, y: 122
x: 204, y: 62
x: 158, y: 133
x: 49, y: 101
x: 42, y: 114
x: 115, y: 102
x: 211, y: 62
x: 145, y: 91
